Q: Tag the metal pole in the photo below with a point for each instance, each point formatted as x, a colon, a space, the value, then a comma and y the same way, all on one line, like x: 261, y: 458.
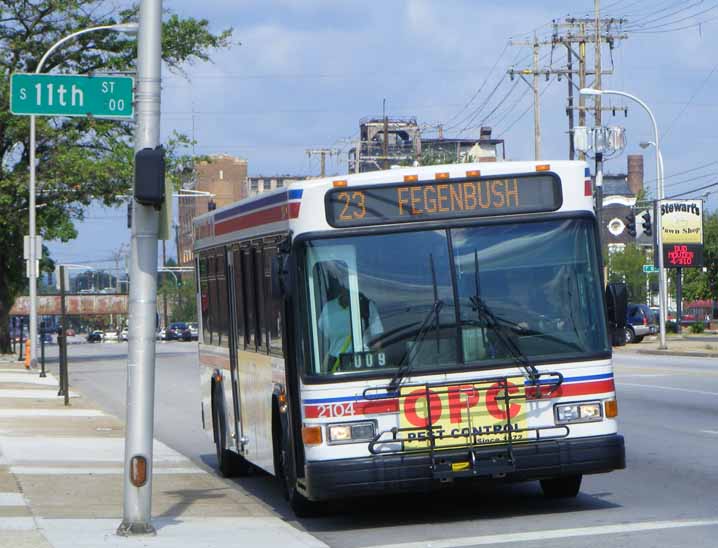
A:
x: 62, y: 337
x: 42, y: 349
x: 143, y: 290
x: 537, y: 109
x: 32, y: 271
x: 679, y: 298
x: 22, y: 341
x: 599, y: 199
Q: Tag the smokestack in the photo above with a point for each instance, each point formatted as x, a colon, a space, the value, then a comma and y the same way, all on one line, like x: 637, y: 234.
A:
x: 635, y: 173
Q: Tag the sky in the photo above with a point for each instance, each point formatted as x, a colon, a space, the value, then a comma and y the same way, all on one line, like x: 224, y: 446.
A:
x: 301, y: 73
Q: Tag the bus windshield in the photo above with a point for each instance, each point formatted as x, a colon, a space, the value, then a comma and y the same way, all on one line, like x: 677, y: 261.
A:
x: 434, y: 300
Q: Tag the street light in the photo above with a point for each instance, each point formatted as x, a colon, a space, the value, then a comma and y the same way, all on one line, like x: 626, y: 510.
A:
x: 662, y: 290
x: 32, y: 270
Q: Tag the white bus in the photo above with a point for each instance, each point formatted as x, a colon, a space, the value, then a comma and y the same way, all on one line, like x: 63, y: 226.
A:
x: 396, y: 330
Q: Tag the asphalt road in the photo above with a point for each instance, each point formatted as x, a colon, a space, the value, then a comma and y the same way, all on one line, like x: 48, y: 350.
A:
x: 667, y: 496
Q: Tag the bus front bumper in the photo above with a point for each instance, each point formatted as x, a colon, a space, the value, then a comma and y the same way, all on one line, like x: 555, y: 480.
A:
x: 401, y: 473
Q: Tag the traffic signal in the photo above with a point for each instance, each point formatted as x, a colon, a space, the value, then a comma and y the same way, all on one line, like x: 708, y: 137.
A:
x: 647, y: 228
x: 150, y: 176
x: 631, y: 224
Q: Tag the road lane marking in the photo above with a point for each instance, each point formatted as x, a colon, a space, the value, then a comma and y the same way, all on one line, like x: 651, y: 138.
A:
x: 552, y: 534
x: 17, y: 524
x: 710, y: 431
x: 27, y: 378
x: 647, y: 375
x: 26, y: 413
x: 32, y: 394
x: 670, y: 388
x: 12, y: 499
x: 94, y: 470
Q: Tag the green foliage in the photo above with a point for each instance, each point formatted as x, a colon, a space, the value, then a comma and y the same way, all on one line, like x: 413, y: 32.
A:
x: 627, y: 266
x: 79, y: 159
x: 697, y: 327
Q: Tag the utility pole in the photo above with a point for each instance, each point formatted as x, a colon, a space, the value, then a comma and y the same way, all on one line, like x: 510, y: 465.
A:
x: 322, y: 153
x: 535, y: 71
x: 597, y: 121
x: 137, y: 477
x: 164, y: 293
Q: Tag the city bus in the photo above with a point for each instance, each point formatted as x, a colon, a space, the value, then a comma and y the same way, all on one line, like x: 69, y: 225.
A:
x: 410, y: 329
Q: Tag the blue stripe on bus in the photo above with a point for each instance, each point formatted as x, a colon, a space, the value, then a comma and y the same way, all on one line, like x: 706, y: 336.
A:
x: 362, y: 398
x: 587, y: 172
x: 262, y: 202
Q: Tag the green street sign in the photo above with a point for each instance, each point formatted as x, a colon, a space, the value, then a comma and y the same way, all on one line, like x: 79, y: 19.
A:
x: 649, y: 269
x: 71, y: 95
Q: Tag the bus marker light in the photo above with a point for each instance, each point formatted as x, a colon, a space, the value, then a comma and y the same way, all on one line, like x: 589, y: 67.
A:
x: 312, y: 435
x: 410, y: 178
x: 340, y: 183
x: 587, y: 190
x: 543, y: 167
x: 459, y: 466
x: 282, y: 398
x: 441, y: 175
x: 611, y: 407
x: 473, y: 173
x: 138, y: 471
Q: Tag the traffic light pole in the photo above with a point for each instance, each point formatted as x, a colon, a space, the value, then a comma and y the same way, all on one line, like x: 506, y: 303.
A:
x: 143, y: 289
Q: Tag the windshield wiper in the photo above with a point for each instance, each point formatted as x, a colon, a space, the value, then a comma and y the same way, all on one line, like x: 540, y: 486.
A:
x: 498, y: 326
x: 406, y: 362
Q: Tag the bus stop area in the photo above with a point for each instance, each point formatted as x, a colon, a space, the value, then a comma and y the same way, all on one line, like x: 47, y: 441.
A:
x: 61, y: 481
x: 699, y: 345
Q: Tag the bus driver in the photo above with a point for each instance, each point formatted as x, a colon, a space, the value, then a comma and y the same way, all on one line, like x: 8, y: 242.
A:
x: 335, y: 326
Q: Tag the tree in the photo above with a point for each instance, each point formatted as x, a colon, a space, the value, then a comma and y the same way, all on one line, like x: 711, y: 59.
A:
x: 80, y: 159
x: 627, y: 266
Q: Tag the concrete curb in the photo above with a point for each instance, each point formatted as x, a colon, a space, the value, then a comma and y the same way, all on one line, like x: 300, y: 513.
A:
x: 685, y: 354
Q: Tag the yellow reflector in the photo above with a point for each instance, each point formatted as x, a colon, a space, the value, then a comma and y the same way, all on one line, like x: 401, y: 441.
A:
x: 312, y: 435
x: 473, y: 173
x: 611, y: 407
x: 340, y: 183
x: 459, y: 466
x: 543, y: 167
x: 282, y: 398
x: 138, y: 471
x: 442, y: 175
x: 410, y: 178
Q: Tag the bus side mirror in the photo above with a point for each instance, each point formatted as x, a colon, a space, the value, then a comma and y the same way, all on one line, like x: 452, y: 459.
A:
x: 616, y: 306
x: 279, y: 276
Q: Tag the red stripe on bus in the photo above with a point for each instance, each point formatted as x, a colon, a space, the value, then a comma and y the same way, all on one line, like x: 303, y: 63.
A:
x: 339, y: 409
x: 266, y: 216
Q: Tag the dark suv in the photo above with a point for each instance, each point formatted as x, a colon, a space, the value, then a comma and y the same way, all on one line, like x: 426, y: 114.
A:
x: 639, y: 322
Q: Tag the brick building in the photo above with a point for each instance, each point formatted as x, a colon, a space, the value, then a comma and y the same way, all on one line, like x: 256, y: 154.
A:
x: 225, y: 177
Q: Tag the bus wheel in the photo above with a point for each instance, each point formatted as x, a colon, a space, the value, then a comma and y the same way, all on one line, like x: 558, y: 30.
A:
x: 562, y: 487
x: 300, y: 505
x: 229, y: 463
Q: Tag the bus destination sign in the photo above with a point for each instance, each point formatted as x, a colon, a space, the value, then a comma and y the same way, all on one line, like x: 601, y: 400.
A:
x: 442, y: 199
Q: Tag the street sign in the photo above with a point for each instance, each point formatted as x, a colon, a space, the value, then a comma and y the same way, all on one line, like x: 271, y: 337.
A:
x: 649, y: 269
x: 71, y: 95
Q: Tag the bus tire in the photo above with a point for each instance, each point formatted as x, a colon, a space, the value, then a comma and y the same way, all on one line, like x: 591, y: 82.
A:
x: 229, y: 463
x: 300, y: 505
x: 561, y: 487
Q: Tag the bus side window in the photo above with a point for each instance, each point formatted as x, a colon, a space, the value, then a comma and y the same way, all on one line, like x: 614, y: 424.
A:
x: 250, y: 296
x: 204, y: 297
x: 222, y: 301
x: 261, y: 337
x: 212, y: 300
x: 273, y: 307
x: 239, y: 298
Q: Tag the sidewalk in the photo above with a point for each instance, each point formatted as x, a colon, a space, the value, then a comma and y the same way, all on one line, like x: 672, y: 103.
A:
x: 61, y: 481
x: 704, y: 345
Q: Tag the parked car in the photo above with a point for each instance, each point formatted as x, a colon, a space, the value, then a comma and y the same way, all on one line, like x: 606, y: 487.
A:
x: 175, y: 330
x: 161, y: 335
x: 94, y: 336
x: 123, y: 334
x: 70, y: 332
x: 639, y: 322
x: 110, y: 336
x: 191, y: 333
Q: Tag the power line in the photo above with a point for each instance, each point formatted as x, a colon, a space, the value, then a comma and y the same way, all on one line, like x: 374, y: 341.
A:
x: 692, y: 191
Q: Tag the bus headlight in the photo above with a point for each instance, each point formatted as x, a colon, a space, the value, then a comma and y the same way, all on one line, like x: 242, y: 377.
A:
x: 578, y: 412
x: 352, y: 432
